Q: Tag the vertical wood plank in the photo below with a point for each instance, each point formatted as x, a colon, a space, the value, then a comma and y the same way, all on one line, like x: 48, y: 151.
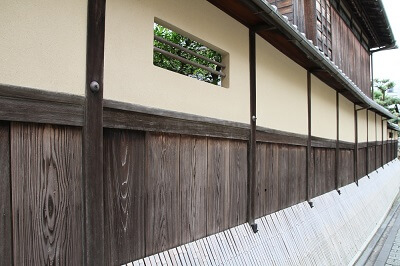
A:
x: 302, y: 165
x: 261, y: 179
x: 274, y: 177
x: 46, y: 200
x: 6, y: 244
x: 237, y: 183
x: 162, y: 205
x: 218, y: 185
x: 269, y: 183
x: 193, y: 178
x: 93, y: 137
x: 123, y: 204
x: 283, y: 176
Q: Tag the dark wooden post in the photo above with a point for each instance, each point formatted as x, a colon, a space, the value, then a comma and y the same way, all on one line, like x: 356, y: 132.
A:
x: 6, y: 243
x: 337, y: 185
x: 252, y: 147
x: 382, y: 163
x: 310, y: 10
x: 376, y: 143
x: 367, y: 155
x: 355, y: 145
x: 93, y: 224
x: 308, y: 165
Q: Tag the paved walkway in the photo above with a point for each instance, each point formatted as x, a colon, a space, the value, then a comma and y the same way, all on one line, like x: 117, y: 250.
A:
x: 384, y: 248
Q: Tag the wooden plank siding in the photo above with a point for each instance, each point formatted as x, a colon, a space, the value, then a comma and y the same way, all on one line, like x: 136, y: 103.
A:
x: 46, y: 170
x: 349, y: 55
x: 161, y: 189
x: 6, y: 242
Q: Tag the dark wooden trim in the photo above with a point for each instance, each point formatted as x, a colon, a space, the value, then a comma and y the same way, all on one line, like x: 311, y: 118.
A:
x: 252, y: 186
x: 382, y: 162
x: 355, y: 145
x: 280, y: 137
x: 6, y: 238
x: 367, y: 155
x: 38, y: 106
x: 308, y: 165
x: 346, y: 145
x: 363, y: 145
x: 376, y: 144
x: 337, y: 151
x: 130, y: 116
x: 93, y: 194
x: 317, y: 142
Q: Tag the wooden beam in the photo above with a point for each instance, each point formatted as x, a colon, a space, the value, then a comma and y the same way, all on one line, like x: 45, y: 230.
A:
x: 376, y: 141
x: 252, y: 147
x: 311, y: 20
x: 93, y: 137
x: 308, y: 166
x: 337, y: 151
x: 367, y: 164
x: 355, y: 145
x: 6, y: 240
x: 382, y: 143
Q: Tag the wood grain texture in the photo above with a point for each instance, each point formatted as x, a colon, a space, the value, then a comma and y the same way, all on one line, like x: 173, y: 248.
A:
x: 93, y: 187
x: 193, y: 181
x: 162, y: 184
x: 6, y: 242
x: 237, y: 182
x: 34, y: 105
x: 218, y: 185
x: 124, y: 195
x: 346, y: 164
x: 283, y: 177
x: 46, y: 199
x: 130, y: 116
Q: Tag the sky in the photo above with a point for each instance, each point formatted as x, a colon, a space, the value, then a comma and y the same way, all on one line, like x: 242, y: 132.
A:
x: 387, y: 63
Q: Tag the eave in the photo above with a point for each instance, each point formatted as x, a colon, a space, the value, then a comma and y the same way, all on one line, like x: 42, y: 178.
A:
x: 277, y: 30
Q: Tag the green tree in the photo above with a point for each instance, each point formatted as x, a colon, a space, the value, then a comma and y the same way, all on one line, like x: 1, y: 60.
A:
x: 182, y: 68
x: 383, y: 85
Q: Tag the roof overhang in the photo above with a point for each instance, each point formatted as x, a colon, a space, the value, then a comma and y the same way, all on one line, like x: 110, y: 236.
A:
x: 263, y: 17
x: 372, y: 15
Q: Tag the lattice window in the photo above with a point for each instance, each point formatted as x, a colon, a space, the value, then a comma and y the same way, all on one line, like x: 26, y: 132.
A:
x: 324, y: 30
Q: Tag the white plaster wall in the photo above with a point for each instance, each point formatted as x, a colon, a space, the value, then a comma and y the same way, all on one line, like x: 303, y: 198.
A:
x: 362, y: 125
x: 385, y: 131
x: 346, y: 119
x: 371, y: 126
x: 129, y: 73
x: 323, y: 109
x: 281, y: 90
x: 43, y: 44
x: 379, y: 127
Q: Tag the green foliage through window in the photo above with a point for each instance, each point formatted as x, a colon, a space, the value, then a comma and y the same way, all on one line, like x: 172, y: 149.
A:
x: 175, y: 65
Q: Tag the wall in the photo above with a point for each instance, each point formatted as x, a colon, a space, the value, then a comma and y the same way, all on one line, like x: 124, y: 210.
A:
x: 379, y: 127
x: 349, y: 55
x: 281, y: 98
x: 346, y: 119
x: 129, y: 58
x: 371, y: 126
x: 385, y: 131
x: 323, y: 109
x: 43, y: 44
x: 362, y: 125
x: 334, y: 232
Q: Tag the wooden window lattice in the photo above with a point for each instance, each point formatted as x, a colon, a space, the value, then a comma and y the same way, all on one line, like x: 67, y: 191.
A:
x: 324, y: 29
